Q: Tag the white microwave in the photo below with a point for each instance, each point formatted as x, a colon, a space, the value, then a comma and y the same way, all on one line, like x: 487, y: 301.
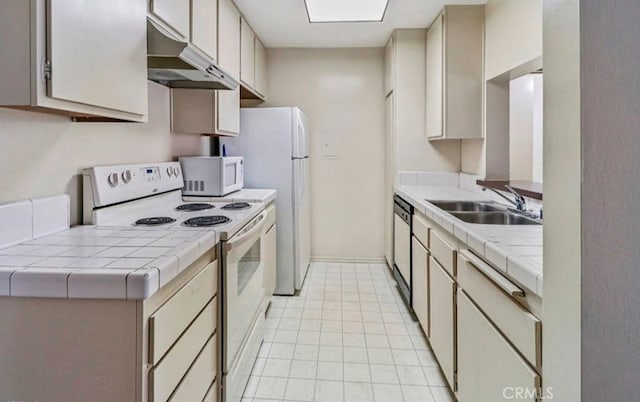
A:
x: 212, y: 176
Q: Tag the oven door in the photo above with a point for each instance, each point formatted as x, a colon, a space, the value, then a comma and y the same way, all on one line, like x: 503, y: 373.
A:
x: 232, y: 174
x: 243, y: 286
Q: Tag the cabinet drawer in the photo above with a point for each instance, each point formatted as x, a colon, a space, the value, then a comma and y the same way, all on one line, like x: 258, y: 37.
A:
x: 170, y: 320
x: 421, y: 230
x: 487, y: 364
x: 443, y: 252
x: 521, y: 327
x: 169, y: 372
x: 196, y: 383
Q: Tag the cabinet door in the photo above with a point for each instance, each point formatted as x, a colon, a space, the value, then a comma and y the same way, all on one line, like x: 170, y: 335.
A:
x: 174, y: 13
x: 442, y: 315
x: 388, y: 67
x: 229, y: 38
x: 435, y: 79
x: 193, y: 111
x: 204, y: 26
x: 489, y: 369
x: 261, y: 68
x: 228, y: 112
x: 420, y: 263
x: 98, y: 55
x: 247, y: 54
x: 389, y: 174
x: 270, y: 261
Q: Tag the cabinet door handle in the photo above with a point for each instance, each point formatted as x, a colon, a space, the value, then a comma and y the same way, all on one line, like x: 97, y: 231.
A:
x: 497, y: 278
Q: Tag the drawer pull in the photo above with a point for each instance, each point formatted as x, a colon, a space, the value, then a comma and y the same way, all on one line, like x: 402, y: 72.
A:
x: 491, y: 273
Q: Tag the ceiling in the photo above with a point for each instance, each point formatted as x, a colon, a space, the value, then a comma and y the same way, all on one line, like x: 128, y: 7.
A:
x: 284, y: 23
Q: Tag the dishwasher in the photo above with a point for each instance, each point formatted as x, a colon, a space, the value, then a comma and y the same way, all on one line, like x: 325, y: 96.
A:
x: 402, y: 229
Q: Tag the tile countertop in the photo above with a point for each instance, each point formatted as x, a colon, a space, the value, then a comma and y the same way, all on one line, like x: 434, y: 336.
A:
x: 515, y: 250
x: 100, y: 262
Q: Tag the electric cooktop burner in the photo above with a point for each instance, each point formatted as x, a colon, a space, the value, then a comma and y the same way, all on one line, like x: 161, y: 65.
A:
x: 154, y: 221
x: 211, y: 220
x: 236, y: 206
x: 194, y: 207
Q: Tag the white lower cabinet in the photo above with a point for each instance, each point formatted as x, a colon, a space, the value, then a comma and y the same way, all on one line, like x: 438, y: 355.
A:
x: 489, y: 368
x: 270, y: 261
x: 164, y: 348
x: 420, y: 290
x: 442, y: 316
x: 269, y: 246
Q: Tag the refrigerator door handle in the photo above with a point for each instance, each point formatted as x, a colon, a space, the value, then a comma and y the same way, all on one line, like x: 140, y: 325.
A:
x: 299, y: 157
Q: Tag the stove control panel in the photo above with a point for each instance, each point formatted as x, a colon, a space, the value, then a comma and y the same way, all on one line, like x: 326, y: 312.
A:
x: 107, y: 185
x: 151, y: 173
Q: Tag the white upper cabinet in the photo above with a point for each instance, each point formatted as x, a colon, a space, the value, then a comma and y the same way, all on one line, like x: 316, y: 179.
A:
x: 229, y: 38
x: 253, y: 64
x: 435, y: 79
x: 75, y: 60
x: 261, y: 69
x: 228, y: 112
x: 174, y: 13
x: 204, y: 26
x: 454, y: 68
x: 247, y: 54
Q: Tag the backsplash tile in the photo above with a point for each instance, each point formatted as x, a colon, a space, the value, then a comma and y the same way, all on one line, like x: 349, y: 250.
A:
x: 51, y: 215
x: 30, y: 219
x: 16, y: 221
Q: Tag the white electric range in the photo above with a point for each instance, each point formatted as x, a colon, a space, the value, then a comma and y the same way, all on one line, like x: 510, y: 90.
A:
x: 150, y: 196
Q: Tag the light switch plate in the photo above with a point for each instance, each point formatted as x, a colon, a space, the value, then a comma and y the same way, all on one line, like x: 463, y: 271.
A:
x: 331, y: 140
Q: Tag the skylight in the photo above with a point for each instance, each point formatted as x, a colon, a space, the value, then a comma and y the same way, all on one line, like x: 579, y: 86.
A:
x: 346, y: 10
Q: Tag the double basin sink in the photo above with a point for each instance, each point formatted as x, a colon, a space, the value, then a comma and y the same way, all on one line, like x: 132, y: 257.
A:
x: 484, y: 213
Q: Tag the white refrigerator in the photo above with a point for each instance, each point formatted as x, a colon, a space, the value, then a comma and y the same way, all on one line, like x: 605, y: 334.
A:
x: 275, y: 146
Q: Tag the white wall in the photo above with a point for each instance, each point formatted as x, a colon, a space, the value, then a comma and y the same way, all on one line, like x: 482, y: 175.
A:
x: 513, y: 37
x: 525, y: 128
x: 521, y: 128
x: 43, y: 154
x: 341, y: 90
x: 412, y: 150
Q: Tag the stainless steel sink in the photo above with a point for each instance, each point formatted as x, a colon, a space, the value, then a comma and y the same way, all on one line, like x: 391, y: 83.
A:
x: 467, y: 206
x: 495, y: 218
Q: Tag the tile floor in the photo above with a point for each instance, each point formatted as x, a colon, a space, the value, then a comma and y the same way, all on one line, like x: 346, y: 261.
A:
x: 347, y: 337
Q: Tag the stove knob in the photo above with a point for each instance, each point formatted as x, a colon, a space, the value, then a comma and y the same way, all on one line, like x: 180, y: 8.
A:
x: 170, y: 171
x: 126, y: 176
x: 176, y: 171
x: 113, y: 179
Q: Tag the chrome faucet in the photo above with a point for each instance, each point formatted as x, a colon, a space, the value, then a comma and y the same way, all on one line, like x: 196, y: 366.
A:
x: 518, y: 201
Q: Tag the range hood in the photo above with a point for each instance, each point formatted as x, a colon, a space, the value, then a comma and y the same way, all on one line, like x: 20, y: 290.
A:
x: 178, y: 64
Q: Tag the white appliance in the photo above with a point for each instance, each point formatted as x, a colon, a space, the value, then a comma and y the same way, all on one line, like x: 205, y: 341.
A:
x: 275, y: 145
x: 150, y: 195
x: 212, y: 175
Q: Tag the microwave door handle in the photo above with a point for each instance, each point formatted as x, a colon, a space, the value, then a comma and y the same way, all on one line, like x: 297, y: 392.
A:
x: 247, y: 233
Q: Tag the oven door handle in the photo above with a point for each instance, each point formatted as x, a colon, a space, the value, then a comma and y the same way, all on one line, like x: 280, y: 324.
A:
x: 248, y: 232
